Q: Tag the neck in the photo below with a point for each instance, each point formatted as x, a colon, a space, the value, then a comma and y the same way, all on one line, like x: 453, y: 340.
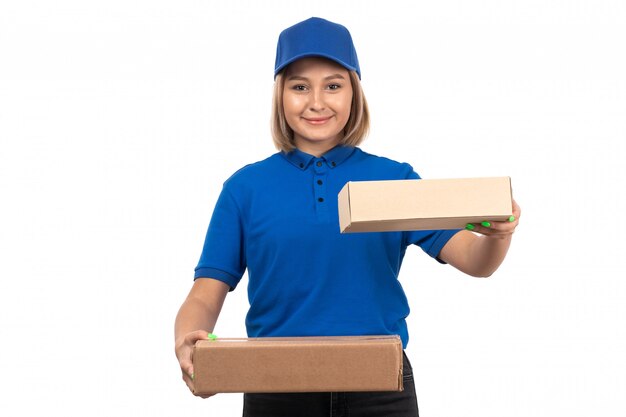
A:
x: 316, y: 149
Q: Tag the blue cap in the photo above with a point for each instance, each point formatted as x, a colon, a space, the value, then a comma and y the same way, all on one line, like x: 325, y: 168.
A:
x: 316, y: 37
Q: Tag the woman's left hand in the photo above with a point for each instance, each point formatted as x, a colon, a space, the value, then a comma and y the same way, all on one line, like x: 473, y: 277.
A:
x: 499, y: 230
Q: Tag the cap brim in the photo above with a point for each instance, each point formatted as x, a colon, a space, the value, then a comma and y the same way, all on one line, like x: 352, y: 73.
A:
x: 312, y: 54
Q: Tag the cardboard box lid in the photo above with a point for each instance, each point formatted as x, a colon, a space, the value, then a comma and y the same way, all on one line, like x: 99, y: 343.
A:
x: 423, y: 204
x: 302, y: 364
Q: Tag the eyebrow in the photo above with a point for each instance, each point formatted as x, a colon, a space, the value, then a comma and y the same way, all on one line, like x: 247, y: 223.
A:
x: 330, y: 77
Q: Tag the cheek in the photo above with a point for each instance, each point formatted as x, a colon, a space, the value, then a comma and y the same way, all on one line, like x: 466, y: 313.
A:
x: 291, y: 104
x: 344, y: 106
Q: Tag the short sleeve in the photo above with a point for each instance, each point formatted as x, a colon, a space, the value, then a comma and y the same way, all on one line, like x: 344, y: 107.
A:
x: 223, y: 255
x: 431, y: 241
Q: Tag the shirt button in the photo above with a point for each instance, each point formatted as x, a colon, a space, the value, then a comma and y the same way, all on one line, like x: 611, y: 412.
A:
x: 319, y: 163
x: 333, y: 164
x: 320, y: 182
x: 321, y: 200
x: 301, y: 165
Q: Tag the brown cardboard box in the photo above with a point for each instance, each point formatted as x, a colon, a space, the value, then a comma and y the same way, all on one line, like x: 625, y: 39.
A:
x: 382, y: 206
x: 300, y: 364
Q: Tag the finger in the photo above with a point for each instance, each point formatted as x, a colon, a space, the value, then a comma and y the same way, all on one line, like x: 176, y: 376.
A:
x: 495, y: 229
x: 495, y: 233
x: 517, y: 210
x: 189, y: 381
x: 489, y: 227
x: 186, y: 366
x: 506, y: 226
x: 193, y: 337
x: 190, y: 385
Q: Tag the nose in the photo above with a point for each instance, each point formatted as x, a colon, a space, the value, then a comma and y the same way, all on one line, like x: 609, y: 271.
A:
x: 316, y: 102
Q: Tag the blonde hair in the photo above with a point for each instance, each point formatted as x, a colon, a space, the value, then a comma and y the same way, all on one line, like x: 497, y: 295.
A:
x: 356, y: 129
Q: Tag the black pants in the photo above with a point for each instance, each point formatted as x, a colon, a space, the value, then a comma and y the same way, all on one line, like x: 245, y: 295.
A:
x: 337, y: 404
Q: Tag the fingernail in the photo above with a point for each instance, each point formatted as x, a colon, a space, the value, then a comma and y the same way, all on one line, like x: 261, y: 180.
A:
x: 470, y: 226
x: 512, y: 218
x: 486, y: 224
x: 211, y: 336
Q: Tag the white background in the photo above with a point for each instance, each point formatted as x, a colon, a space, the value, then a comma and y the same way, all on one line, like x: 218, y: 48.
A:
x: 119, y: 121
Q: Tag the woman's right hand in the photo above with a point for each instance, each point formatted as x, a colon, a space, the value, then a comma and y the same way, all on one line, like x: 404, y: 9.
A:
x: 199, y: 311
x: 184, y: 351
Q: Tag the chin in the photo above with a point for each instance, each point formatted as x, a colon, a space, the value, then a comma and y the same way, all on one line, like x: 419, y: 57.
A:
x: 320, y: 137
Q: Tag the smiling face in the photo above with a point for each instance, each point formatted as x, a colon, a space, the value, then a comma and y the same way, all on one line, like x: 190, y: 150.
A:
x: 317, y: 99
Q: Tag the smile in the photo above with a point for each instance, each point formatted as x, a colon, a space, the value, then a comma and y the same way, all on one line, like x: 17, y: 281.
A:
x: 317, y: 120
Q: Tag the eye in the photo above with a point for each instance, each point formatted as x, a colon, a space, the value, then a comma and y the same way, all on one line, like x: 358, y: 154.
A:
x: 334, y: 86
x: 299, y: 87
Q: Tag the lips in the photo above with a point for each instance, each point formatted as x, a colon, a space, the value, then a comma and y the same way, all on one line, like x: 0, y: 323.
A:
x: 317, y: 120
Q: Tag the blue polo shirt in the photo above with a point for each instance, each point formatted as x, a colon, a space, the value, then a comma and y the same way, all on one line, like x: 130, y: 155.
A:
x: 278, y: 219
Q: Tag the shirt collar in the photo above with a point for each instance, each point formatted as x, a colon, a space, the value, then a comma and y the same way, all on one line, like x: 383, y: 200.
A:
x: 333, y: 158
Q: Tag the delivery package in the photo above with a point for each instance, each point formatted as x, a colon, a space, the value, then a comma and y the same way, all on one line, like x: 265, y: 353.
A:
x: 425, y: 204
x: 298, y: 364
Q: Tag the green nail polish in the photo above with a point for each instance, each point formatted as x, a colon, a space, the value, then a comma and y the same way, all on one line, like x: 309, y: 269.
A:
x: 512, y: 218
x: 486, y: 224
x: 212, y: 336
x: 192, y: 376
x: 470, y: 226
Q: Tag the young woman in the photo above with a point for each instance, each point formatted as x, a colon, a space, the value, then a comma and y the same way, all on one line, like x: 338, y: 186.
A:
x: 278, y: 219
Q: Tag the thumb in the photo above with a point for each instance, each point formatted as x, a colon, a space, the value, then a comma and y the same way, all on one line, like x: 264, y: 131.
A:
x: 193, y: 337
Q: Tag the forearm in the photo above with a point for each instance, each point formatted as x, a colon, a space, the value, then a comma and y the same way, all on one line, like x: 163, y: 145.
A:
x: 193, y: 315
x: 201, y: 308
x: 486, y: 254
x: 476, y: 255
